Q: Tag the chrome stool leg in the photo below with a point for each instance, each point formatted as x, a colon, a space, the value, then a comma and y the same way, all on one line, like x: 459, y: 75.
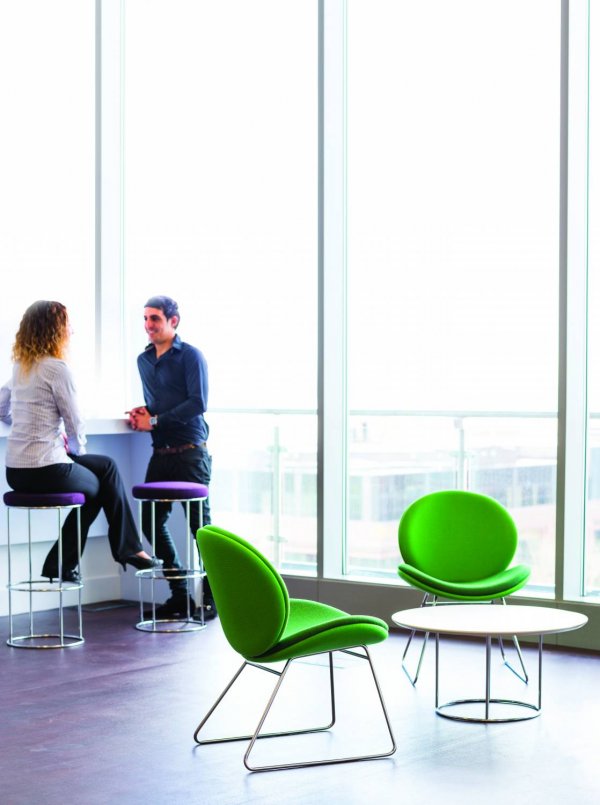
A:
x: 166, y: 492
x: 32, y: 639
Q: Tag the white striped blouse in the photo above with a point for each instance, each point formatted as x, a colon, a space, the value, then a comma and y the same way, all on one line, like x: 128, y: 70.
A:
x: 42, y: 408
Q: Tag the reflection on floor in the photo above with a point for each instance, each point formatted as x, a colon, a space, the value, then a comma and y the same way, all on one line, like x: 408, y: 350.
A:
x: 112, y: 722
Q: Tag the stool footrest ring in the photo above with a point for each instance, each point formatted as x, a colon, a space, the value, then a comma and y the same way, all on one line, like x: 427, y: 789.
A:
x: 44, y: 586
x: 18, y: 641
x: 170, y: 574
x: 170, y: 625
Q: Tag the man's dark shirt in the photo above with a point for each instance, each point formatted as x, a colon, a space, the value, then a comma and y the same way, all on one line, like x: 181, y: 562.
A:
x: 176, y: 390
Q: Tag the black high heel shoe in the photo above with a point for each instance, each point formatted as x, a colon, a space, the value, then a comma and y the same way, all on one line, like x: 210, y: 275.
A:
x: 140, y: 563
x: 72, y: 576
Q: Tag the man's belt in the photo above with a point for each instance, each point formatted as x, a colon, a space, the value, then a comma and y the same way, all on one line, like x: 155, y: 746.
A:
x: 181, y: 448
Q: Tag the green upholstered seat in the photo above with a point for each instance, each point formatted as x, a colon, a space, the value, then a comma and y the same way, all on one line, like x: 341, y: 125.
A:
x: 459, y: 545
x: 263, y: 624
x: 274, y: 627
x: 496, y: 586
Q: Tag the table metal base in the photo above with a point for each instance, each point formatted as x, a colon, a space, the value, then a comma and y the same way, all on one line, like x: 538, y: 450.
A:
x: 533, y: 710
x: 487, y: 702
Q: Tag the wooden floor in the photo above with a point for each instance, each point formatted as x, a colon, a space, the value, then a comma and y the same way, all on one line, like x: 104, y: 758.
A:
x: 112, y: 722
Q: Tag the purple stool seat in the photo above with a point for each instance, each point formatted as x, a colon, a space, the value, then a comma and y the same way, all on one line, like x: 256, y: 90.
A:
x: 43, y: 500
x: 169, y: 490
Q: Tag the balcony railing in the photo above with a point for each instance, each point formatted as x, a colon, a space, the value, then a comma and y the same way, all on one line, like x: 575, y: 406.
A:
x: 265, y: 478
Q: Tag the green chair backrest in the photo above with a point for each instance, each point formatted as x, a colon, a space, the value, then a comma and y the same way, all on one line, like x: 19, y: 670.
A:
x: 250, y: 595
x: 457, y: 536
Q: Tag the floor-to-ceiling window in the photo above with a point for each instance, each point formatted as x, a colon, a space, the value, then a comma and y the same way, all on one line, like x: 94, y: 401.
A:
x: 220, y: 212
x: 453, y: 168
x: 445, y: 200
x: 592, y: 520
x: 47, y: 202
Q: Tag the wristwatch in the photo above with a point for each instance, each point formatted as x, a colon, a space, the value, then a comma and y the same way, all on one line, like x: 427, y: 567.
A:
x: 153, y: 421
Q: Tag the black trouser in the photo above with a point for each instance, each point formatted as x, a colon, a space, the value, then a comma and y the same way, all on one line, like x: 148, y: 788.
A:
x: 192, y: 465
x: 98, y: 478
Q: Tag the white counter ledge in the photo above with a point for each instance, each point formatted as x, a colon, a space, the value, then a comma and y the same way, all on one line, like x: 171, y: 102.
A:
x: 93, y: 427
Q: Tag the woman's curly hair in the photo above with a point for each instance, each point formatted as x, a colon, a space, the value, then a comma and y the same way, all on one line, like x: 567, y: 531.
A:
x: 43, y: 332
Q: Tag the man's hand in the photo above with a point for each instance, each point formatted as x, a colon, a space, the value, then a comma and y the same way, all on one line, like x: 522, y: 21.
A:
x: 139, y: 418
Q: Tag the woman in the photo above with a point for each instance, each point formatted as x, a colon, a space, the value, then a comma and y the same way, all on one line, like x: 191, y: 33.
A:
x: 46, y: 444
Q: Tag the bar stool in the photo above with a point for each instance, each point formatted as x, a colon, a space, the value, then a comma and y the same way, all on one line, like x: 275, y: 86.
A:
x: 37, y: 501
x: 184, y: 492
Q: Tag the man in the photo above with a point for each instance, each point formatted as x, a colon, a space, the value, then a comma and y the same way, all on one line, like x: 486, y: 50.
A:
x: 175, y: 384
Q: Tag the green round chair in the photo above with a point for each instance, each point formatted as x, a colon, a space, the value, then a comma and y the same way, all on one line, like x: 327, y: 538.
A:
x: 458, y: 545
x: 263, y: 624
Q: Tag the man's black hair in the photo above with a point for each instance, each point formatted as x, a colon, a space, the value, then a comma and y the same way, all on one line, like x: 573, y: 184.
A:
x: 166, y: 304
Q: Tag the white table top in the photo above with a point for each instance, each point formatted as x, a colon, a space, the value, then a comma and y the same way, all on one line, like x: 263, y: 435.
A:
x: 489, y: 620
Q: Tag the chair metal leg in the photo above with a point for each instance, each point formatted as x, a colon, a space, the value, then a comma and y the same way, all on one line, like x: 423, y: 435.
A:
x: 413, y: 679
x: 279, y: 674
x: 257, y: 734
x: 524, y: 677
